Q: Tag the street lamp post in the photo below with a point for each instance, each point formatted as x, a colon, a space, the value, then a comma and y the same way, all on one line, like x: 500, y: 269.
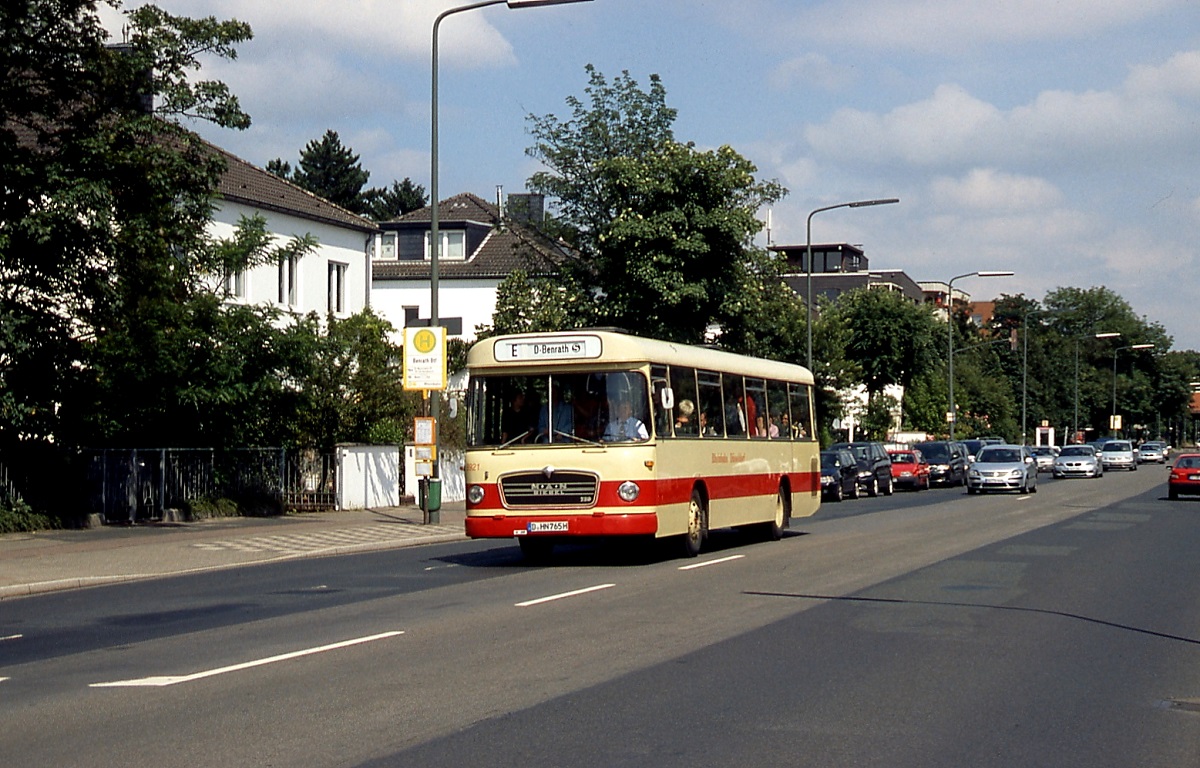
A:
x: 953, y: 413
x: 1112, y: 422
x: 808, y: 298
x: 1105, y: 335
x: 434, y: 236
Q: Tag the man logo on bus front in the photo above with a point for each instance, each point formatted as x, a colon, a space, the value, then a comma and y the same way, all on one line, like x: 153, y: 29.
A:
x: 548, y: 471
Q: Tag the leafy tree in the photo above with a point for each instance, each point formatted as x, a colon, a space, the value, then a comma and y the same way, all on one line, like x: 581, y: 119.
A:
x: 349, y: 381
x: 891, y: 340
x: 102, y: 193
x: 661, y: 229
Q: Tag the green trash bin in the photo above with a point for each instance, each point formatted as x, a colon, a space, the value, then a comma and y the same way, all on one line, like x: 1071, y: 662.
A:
x: 433, y: 494
x: 430, y: 499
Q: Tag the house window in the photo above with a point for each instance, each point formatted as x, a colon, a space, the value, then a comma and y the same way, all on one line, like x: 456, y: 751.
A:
x: 289, y: 267
x: 235, y: 285
x: 387, y: 246
x: 337, y: 287
x: 454, y: 245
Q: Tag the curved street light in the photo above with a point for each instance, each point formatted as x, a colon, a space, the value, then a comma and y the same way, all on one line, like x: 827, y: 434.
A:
x: 952, y: 414
x: 434, y: 236
x: 1113, y: 421
x: 808, y: 299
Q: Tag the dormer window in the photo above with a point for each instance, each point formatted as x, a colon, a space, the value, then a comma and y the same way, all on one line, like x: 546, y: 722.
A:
x: 454, y: 245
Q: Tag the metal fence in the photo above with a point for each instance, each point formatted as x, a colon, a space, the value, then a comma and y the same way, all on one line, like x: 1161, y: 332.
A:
x: 132, y: 485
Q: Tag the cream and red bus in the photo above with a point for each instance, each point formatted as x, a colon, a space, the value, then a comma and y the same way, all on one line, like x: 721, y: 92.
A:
x: 595, y: 433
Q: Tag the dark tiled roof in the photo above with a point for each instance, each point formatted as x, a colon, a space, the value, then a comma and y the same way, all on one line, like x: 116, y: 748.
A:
x: 250, y: 185
x: 508, y: 246
x: 245, y: 183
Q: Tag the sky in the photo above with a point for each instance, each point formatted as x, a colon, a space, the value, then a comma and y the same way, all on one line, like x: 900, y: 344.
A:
x: 1058, y: 139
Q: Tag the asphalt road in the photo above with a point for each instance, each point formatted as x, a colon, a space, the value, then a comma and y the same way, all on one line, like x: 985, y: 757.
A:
x: 923, y: 629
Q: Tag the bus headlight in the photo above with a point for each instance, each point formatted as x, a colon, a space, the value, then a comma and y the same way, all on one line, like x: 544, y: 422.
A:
x: 475, y: 494
x: 628, y: 491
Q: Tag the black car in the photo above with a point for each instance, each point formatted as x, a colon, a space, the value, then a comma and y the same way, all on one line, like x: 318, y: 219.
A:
x: 839, y: 475
x: 947, y: 461
x: 874, y: 466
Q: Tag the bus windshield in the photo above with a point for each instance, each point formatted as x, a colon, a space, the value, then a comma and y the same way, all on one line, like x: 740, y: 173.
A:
x: 592, y: 407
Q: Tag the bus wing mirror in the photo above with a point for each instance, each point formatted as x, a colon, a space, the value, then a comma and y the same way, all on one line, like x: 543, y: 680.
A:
x: 667, y: 398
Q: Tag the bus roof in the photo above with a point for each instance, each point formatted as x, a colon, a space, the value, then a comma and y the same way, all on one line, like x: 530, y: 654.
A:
x: 584, y: 349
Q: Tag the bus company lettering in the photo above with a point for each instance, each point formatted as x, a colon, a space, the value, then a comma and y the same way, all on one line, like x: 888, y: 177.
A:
x: 728, y: 458
x: 539, y: 349
x: 547, y: 489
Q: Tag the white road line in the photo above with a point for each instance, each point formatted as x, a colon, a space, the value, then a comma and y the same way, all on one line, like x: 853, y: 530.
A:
x: 2, y: 679
x: 707, y: 563
x: 11, y: 637
x: 159, y: 682
x: 584, y: 591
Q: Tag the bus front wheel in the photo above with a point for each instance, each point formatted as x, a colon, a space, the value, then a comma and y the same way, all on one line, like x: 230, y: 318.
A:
x: 697, y: 519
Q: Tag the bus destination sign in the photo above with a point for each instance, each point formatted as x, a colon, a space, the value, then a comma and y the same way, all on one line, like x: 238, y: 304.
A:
x: 579, y: 347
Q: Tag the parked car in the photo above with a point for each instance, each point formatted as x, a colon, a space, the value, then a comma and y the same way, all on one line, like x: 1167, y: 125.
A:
x: 1078, y: 461
x: 1003, y: 468
x: 874, y: 466
x: 947, y: 461
x: 1185, y: 476
x: 1152, y: 450
x: 1044, y: 455
x: 1118, y: 454
x: 909, y: 469
x: 839, y: 475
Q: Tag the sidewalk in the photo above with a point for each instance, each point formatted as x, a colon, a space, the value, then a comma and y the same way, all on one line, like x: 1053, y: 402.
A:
x: 31, y: 563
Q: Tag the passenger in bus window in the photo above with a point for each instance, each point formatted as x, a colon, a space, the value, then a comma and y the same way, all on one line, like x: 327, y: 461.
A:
x: 735, y: 420
x: 762, y: 430
x: 683, y: 422
x: 706, y: 429
x: 516, y: 420
x: 624, y: 426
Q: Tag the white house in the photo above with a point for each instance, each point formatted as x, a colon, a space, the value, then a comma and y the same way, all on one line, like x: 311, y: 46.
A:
x: 480, y: 246
x: 334, y: 278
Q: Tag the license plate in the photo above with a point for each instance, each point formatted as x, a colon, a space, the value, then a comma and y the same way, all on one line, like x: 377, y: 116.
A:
x: 549, y: 526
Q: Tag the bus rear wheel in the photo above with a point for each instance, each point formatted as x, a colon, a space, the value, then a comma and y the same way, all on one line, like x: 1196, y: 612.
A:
x: 773, y: 531
x: 697, y: 520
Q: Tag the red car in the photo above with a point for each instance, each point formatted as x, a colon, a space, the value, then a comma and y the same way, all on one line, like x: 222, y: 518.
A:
x: 909, y: 468
x: 1185, y: 475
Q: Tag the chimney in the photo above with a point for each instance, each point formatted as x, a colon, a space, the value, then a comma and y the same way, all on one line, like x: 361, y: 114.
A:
x: 527, y: 208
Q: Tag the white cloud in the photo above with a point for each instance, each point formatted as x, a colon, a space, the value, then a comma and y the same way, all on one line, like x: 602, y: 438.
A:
x: 387, y: 29
x: 987, y: 189
x: 939, y: 26
x: 811, y: 70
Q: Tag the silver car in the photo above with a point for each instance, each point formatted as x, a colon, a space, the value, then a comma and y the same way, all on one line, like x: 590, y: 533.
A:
x: 1118, y: 454
x: 1152, y: 451
x: 1078, y: 461
x: 1003, y: 468
x: 1044, y: 455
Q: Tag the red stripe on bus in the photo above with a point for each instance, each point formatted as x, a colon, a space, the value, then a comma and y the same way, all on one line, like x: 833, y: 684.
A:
x: 677, y: 490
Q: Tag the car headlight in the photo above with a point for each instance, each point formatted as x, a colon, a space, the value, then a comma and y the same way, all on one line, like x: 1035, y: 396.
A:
x: 628, y: 491
x: 475, y: 494
x: 826, y: 480
x: 974, y: 473
x: 1016, y: 473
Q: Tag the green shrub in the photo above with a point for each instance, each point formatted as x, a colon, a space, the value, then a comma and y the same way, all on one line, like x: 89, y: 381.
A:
x: 205, y: 508
x: 16, y: 517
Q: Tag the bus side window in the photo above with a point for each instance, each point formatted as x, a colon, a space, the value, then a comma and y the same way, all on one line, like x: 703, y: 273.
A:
x: 687, y: 415
x: 779, y: 421
x: 662, y: 416
x: 800, y: 397
x: 738, y: 415
x: 711, y: 420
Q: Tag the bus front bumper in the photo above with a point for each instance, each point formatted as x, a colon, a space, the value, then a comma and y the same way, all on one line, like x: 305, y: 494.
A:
x: 566, y: 524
